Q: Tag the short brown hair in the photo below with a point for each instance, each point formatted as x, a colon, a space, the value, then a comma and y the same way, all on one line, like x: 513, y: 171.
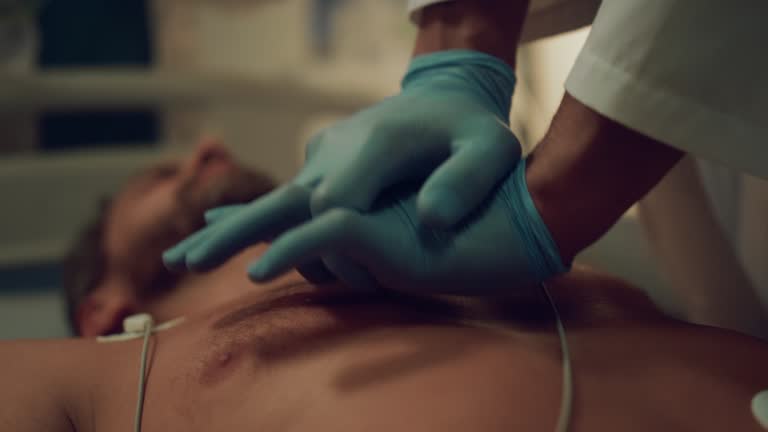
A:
x: 85, y: 264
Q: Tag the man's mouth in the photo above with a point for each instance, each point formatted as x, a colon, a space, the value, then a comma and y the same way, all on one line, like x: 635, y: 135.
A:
x: 215, y: 169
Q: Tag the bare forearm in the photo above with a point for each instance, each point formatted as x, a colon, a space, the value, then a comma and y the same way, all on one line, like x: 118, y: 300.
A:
x: 588, y: 170
x: 489, y: 26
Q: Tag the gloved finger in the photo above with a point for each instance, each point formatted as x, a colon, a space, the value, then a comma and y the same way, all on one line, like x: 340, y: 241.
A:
x: 335, y: 231
x: 218, y: 213
x: 351, y: 273
x: 175, y: 257
x: 388, y: 157
x: 261, y: 219
x: 459, y: 185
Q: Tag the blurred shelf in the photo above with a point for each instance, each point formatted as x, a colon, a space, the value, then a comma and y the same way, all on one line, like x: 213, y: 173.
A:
x: 125, y: 87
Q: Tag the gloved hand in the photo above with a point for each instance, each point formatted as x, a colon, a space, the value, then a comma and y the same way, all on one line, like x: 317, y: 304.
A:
x: 450, y: 123
x: 503, y: 244
x: 451, y: 115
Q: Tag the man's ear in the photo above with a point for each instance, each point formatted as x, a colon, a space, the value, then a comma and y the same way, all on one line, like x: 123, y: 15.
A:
x: 103, y: 311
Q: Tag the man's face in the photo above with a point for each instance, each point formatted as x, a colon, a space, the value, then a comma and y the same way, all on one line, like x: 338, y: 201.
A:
x: 166, y: 203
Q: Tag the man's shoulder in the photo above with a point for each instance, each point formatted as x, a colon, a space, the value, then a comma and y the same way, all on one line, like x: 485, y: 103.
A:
x: 591, y: 297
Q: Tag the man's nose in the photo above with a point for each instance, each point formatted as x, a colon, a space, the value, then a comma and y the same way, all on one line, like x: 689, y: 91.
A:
x: 208, y: 151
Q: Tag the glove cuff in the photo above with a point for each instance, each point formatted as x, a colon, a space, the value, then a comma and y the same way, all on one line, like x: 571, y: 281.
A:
x: 486, y: 76
x: 541, y: 249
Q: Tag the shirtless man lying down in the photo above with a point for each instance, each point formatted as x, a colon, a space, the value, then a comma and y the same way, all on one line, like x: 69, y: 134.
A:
x: 292, y: 356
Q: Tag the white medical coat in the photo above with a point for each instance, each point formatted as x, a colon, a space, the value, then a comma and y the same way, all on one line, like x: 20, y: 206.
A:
x: 690, y: 73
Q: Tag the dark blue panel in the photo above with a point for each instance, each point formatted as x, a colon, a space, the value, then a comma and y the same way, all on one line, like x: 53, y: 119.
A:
x: 38, y: 277
x: 87, y: 33
x: 95, y: 33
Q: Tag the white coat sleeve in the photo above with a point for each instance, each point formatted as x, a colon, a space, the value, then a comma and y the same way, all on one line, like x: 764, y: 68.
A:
x: 545, y: 17
x: 690, y: 73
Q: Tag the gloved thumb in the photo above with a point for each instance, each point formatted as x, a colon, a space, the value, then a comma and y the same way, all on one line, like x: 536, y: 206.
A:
x: 460, y: 184
x: 390, y: 157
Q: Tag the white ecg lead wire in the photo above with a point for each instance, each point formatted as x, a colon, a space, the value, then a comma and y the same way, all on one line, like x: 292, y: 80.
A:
x: 566, y: 400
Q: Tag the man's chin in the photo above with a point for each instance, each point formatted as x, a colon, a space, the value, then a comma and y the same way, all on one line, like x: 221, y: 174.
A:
x: 236, y: 187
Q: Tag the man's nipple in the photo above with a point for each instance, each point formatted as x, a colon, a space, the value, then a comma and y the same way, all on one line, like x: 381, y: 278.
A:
x: 224, y: 358
x: 219, y: 366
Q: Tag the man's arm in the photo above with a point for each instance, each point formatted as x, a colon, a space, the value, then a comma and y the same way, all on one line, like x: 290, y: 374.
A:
x: 588, y: 170
x: 33, y: 388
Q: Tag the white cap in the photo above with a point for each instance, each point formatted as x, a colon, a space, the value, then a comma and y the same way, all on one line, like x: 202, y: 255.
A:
x: 137, y: 323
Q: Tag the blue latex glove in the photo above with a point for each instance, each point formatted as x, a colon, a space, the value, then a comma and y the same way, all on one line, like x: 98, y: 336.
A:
x: 448, y: 123
x: 504, y: 244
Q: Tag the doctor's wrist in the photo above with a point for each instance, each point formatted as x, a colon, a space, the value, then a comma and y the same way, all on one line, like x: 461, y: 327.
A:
x: 588, y: 171
x: 543, y: 253
x: 491, y: 26
x: 483, y: 77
